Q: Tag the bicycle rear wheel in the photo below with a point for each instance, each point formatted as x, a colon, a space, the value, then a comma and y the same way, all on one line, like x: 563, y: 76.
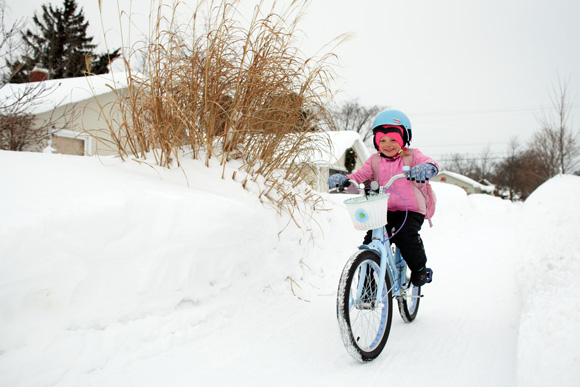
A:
x: 364, y: 324
x: 409, y: 302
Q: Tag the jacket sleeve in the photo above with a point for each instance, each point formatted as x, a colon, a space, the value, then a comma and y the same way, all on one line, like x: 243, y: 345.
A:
x: 420, y: 158
x: 363, y: 173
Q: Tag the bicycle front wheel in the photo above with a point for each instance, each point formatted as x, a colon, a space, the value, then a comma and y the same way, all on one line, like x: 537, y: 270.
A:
x: 364, y: 323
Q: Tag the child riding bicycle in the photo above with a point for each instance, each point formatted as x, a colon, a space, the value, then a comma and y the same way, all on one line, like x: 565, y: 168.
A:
x: 392, y: 133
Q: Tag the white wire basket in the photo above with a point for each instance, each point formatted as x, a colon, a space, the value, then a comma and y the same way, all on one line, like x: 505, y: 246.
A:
x: 368, y: 213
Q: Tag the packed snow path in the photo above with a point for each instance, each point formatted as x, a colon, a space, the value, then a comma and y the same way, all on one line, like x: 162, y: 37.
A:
x: 117, y: 274
x: 465, y: 335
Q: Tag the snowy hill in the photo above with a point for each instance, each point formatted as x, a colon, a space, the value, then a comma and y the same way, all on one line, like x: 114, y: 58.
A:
x: 124, y: 274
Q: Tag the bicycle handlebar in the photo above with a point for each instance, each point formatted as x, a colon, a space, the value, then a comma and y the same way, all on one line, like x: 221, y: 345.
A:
x: 403, y: 175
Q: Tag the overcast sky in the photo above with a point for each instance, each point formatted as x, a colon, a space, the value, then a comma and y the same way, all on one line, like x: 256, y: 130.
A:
x: 469, y: 74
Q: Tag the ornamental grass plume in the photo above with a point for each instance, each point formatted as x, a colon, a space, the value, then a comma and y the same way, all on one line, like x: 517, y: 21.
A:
x: 217, y: 89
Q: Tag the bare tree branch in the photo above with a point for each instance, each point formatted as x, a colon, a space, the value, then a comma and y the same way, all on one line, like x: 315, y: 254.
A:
x: 556, y: 144
x: 351, y: 115
x: 9, y: 45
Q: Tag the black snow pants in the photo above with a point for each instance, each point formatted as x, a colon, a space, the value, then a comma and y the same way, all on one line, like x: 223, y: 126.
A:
x: 407, y: 239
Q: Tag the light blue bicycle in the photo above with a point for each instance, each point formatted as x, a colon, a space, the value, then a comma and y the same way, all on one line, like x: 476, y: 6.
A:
x: 372, y: 278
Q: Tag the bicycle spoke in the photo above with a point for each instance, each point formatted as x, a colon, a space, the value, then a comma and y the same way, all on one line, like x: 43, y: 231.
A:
x: 366, y: 317
x: 367, y: 321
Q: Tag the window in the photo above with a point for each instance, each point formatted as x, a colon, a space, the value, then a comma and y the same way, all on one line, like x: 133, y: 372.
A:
x: 69, y: 146
x: 68, y: 142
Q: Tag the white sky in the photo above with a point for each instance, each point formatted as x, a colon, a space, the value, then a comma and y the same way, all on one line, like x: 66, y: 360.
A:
x: 468, y: 73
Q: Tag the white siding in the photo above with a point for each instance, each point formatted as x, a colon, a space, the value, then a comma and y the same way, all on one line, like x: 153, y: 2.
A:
x: 86, y: 119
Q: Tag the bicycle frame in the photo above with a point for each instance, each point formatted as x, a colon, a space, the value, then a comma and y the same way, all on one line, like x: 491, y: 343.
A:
x: 373, y: 278
x: 392, y: 264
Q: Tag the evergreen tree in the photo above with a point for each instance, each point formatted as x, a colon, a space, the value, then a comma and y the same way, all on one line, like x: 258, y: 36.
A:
x: 60, y: 44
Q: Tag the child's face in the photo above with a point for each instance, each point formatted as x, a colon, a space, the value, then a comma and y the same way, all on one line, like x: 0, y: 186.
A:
x: 389, y: 147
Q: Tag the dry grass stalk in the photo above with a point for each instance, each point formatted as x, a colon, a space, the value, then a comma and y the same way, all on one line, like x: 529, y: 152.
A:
x: 233, y: 92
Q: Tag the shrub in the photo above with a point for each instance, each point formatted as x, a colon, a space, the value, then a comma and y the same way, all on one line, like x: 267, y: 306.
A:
x: 227, y: 91
x: 17, y: 132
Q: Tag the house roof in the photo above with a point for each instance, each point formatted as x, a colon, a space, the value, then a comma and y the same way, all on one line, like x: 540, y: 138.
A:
x: 467, y: 180
x: 345, y: 139
x: 339, y: 142
x: 40, y: 97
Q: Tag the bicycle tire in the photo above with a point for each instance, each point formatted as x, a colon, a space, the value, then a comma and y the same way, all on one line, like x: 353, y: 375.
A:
x: 364, y: 326
x: 409, y: 303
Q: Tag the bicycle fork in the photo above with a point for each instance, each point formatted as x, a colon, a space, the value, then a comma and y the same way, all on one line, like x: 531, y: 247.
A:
x: 392, y: 264
x: 380, y: 244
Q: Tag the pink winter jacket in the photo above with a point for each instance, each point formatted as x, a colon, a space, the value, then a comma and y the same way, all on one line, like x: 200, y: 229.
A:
x: 390, y: 167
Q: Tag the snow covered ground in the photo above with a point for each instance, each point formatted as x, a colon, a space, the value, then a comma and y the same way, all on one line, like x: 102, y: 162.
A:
x: 124, y: 274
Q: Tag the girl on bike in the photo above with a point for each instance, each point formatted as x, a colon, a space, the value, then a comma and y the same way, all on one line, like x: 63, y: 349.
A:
x: 392, y: 133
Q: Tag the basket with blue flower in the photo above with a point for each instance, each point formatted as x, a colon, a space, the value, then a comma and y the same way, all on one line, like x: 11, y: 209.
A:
x: 368, y: 212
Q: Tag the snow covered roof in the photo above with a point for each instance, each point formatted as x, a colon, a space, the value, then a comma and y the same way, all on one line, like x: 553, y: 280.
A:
x: 58, y: 92
x: 345, y: 139
x: 339, y: 143
x: 467, y: 180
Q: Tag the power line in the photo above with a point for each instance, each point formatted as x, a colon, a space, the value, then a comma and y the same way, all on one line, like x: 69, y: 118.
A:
x: 488, y: 111
x: 469, y: 159
x: 454, y: 145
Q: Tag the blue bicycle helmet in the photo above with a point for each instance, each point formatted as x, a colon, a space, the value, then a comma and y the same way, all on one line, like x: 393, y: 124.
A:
x: 394, y: 118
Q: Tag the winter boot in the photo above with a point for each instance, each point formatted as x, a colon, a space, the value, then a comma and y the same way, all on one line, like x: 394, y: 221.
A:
x: 422, y: 276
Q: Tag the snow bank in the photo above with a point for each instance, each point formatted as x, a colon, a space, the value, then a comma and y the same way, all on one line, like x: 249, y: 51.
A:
x: 99, y: 257
x: 549, y: 338
x: 118, y: 274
